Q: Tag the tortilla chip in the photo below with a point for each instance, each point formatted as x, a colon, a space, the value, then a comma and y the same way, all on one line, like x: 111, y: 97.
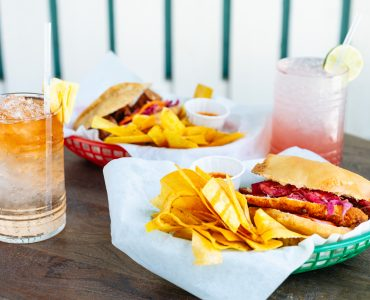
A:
x: 203, y: 251
x: 195, y: 130
x: 156, y: 134
x: 101, y: 123
x: 269, y: 245
x: 197, y: 139
x: 226, y: 138
x: 170, y: 122
x: 175, y: 140
x: 221, y: 203
x: 202, y: 174
x: 268, y: 228
x: 133, y: 139
x: 184, y: 233
x: 144, y: 122
x: 178, y: 192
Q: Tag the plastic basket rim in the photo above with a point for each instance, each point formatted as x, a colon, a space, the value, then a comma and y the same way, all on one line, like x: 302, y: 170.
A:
x: 344, y: 243
x: 76, y: 137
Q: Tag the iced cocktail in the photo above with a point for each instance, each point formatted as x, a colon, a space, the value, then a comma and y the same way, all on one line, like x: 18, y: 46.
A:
x: 309, y: 107
x: 32, y: 191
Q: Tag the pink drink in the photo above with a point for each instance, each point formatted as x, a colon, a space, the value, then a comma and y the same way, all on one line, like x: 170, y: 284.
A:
x: 309, y: 108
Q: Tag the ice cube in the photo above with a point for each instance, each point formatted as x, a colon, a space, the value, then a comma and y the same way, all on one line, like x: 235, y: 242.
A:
x: 15, y: 107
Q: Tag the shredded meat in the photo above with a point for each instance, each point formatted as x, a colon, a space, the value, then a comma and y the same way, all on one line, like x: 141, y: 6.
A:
x: 123, y: 112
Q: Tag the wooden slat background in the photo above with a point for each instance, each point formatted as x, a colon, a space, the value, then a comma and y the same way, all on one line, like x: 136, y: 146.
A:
x: 232, y: 45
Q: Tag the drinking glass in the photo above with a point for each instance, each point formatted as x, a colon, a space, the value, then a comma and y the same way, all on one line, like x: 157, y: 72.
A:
x: 309, y: 107
x: 32, y: 190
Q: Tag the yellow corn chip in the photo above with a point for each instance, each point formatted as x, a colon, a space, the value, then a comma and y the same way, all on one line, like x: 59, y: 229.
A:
x: 202, y: 174
x: 178, y: 192
x: 63, y: 93
x: 133, y: 139
x: 175, y: 140
x: 203, y: 251
x: 226, y: 138
x: 227, y: 234
x: 244, y: 204
x: 126, y: 130
x: 197, y: 139
x: 164, y: 222
x: 230, y: 191
x: 101, y: 123
x: 144, y: 122
x: 241, y: 246
x: 195, y: 130
x: 203, y: 91
x: 268, y: 228
x: 211, y: 239
x: 210, y: 135
x: 221, y: 203
x: 269, y: 245
x: 196, y: 187
x: 156, y: 134
x: 184, y: 233
x: 171, y: 122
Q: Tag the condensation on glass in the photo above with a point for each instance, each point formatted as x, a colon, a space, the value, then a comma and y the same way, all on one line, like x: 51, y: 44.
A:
x: 26, y: 175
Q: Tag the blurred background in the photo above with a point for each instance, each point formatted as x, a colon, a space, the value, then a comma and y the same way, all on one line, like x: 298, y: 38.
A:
x: 230, y: 45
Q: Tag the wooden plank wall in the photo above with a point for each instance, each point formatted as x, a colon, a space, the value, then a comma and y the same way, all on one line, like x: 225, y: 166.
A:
x: 232, y: 45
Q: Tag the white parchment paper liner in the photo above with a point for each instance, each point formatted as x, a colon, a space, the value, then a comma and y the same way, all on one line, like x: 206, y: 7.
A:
x: 254, y: 120
x: 132, y: 183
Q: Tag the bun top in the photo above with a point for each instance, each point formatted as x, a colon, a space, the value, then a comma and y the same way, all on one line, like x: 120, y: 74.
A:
x: 305, y: 173
x: 114, y: 98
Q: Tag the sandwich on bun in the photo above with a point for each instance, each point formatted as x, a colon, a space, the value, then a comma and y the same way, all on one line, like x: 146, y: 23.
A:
x: 310, y: 197
x: 120, y: 103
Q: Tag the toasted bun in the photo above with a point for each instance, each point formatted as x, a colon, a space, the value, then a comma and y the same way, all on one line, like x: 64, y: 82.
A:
x: 352, y: 218
x: 313, y: 175
x: 114, y: 98
x: 303, y: 225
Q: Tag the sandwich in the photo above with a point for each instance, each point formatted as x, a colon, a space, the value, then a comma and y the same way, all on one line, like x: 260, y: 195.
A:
x: 310, y: 197
x: 120, y: 103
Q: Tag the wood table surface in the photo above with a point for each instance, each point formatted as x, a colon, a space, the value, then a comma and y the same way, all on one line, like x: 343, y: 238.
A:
x: 81, y: 262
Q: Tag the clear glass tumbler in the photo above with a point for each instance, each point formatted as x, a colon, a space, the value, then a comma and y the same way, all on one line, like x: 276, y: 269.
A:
x: 32, y: 190
x: 309, y: 108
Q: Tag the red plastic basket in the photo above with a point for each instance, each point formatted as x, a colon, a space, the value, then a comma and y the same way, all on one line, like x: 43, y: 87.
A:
x: 97, y: 152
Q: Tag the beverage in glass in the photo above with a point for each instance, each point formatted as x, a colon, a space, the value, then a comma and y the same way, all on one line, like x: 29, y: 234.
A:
x: 309, y: 107
x: 32, y: 190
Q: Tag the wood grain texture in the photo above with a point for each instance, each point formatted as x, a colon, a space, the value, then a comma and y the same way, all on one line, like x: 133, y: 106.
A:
x: 81, y: 262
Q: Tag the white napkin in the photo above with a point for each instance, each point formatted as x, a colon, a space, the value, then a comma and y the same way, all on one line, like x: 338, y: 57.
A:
x: 131, y: 184
x: 254, y: 120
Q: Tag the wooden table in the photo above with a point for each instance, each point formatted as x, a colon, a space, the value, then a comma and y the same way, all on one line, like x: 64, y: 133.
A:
x: 81, y: 262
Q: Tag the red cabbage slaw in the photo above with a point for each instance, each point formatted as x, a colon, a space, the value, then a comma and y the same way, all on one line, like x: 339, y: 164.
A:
x: 156, y: 108
x: 274, y: 189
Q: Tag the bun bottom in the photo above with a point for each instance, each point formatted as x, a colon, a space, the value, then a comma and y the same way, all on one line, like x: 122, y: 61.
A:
x: 303, y: 225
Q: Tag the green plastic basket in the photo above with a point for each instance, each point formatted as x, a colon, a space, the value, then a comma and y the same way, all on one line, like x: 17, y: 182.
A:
x: 335, y: 253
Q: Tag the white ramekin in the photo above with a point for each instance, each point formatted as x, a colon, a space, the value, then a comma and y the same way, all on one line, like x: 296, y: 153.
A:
x: 221, y: 164
x: 196, y: 105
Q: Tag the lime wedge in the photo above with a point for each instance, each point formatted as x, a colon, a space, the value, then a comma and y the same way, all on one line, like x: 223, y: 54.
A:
x: 344, y: 56
x: 203, y: 91
x: 63, y: 93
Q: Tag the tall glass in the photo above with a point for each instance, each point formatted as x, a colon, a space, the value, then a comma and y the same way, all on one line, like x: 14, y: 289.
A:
x: 32, y: 191
x: 309, y: 108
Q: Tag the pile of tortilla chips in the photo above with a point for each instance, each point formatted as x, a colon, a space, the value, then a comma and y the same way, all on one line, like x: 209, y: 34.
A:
x: 164, y: 129
x: 210, y: 213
